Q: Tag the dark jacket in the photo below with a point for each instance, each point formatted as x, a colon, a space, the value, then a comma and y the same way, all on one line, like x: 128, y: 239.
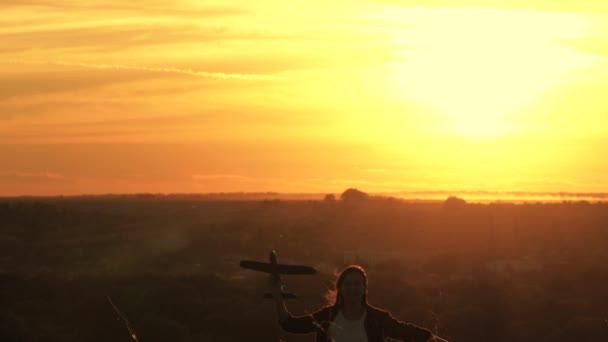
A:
x: 379, y: 325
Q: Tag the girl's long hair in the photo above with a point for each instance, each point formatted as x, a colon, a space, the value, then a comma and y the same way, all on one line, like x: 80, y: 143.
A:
x: 334, y: 297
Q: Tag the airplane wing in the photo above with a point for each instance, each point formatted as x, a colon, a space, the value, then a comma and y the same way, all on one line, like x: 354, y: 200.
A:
x: 257, y: 266
x: 283, y: 269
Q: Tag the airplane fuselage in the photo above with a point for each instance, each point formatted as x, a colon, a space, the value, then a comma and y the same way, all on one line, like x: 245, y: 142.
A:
x: 275, y: 269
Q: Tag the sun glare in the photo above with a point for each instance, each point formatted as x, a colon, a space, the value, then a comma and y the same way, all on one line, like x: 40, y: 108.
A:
x: 475, y: 67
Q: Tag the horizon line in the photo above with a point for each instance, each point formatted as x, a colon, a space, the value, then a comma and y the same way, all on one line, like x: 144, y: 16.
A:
x: 476, y: 193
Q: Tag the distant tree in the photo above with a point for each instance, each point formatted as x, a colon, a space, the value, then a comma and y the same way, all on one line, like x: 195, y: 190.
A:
x: 329, y: 198
x: 353, y: 195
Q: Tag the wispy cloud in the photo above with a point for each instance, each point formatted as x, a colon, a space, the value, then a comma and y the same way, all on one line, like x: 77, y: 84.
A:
x: 196, y: 73
x: 217, y: 177
x: 236, y: 183
x: 108, y: 36
x: 374, y: 170
x: 588, y: 6
x: 148, y: 7
x: 379, y: 185
x: 22, y: 84
x: 32, y: 177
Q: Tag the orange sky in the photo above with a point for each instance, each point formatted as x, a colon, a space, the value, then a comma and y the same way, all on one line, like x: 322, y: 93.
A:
x: 302, y: 96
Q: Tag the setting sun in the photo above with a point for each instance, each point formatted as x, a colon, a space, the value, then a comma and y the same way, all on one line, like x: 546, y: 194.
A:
x: 480, y: 66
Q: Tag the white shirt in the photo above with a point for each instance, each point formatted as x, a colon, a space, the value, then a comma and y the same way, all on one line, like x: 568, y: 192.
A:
x: 344, y: 330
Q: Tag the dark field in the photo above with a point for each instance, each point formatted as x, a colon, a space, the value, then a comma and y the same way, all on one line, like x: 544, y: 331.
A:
x: 470, y: 272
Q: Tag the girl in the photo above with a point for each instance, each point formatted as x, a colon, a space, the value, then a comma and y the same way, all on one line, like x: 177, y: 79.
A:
x: 351, y: 318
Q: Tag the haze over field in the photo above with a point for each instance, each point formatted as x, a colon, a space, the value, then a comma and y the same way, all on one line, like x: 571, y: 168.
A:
x: 470, y: 272
x: 302, y: 96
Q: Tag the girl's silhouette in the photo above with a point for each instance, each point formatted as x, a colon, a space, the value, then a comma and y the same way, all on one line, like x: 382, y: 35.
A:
x: 350, y: 318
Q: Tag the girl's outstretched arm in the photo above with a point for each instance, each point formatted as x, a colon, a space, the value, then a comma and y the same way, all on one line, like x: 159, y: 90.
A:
x: 394, y: 328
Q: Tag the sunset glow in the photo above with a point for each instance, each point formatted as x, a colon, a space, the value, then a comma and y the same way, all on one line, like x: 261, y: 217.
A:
x: 302, y: 96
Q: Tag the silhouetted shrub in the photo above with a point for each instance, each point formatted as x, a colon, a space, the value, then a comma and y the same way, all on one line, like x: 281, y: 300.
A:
x: 353, y: 195
x: 329, y: 198
x: 454, y: 202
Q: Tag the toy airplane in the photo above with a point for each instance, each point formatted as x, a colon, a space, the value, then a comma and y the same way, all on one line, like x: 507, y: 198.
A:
x: 276, y: 269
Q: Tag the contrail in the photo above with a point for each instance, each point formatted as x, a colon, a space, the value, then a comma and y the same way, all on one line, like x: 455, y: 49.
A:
x: 206, y: 74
